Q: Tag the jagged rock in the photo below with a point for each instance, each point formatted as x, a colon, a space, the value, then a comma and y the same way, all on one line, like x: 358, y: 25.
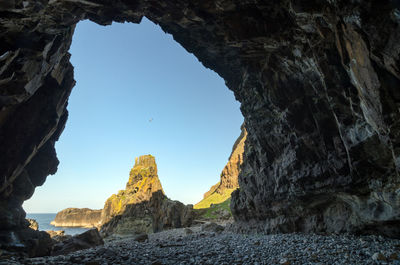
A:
x: 143, y: 207
x: 317, y: 81
x: 55, y: 233
x: 58, y: 236
x: 142, y: 184
x: 212, y: 227
x: 88, y: 239
x: 221, y: 191
x: 34, y: 243
x: 33, y: 224
x: 167, y: 214
x: 76, y: 217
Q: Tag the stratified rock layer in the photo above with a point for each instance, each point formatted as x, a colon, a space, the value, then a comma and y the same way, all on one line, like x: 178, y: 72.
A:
x: 318, y: 83
x: 77, y: 217
x: 229, y: 176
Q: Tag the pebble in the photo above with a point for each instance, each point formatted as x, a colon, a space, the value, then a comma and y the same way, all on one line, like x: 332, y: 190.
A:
x: 378, y: 257
x: 202, y: 247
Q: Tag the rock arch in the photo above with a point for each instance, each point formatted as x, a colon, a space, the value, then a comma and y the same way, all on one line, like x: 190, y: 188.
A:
x: 319, y: 87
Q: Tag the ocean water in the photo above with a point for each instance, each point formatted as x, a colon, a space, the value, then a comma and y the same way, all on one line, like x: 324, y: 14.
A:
x: 44, y: 220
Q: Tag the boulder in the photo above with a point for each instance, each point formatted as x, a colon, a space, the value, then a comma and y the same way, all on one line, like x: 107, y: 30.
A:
x: 141, y: 238
x: 55, y: 233
x: 212, y: 227
x: 33, y: 224
x: 88, y: 239
x: 58, y: 236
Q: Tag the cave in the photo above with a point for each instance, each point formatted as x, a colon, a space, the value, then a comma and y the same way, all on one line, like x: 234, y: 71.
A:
x: 318, y: 84
x: 151, y: 83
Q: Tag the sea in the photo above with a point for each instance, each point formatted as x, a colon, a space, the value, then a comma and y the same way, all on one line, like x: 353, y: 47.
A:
x: 44, y: 220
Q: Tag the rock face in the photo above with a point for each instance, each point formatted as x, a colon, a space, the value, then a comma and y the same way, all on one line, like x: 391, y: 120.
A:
x: 157, y: 214
x: 75, y: 217
x: 143, y: 182
x: 143, y: 207
x: 317, y: 81
x: 33, y: 224
x: 221, y: 191
x: 88, y: 239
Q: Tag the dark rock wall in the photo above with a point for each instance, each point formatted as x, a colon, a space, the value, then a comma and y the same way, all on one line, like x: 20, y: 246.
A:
x: 318, y: 82
x: 322, y: 116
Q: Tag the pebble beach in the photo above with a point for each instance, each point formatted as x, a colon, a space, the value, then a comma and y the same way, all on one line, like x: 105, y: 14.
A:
x: 196, y: 246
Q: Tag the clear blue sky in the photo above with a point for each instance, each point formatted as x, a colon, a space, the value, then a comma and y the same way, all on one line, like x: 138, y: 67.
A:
x: 138, y: 92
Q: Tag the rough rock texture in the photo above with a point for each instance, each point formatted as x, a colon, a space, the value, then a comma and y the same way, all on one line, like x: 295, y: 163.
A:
x: 33, y: 224
x: 143, y: 207
x: 318, y: 82
x: 77, y: 217
x: 322, y: 115
x: 143, y: 182
x: 88, y: 239
x: 53, y: 234
x: 229, y: 176
x: 157, y: 214
x: 167, y: 214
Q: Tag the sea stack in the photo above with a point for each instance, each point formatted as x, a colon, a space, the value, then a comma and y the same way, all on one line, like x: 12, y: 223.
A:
x: 143, y: 182
x: 141, y: 208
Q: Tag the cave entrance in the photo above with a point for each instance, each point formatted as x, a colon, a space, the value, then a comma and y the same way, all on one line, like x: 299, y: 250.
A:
x: 138, y: 92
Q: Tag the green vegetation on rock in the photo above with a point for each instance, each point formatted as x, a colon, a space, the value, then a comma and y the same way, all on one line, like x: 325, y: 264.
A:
x: 214, y: 198
x: 228, y: 182
x: 216, y: 211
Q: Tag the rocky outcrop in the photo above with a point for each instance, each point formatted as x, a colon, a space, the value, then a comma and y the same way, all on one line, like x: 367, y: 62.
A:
x: 76, y: 217
x: 317, y: 81
x: 157, y: 214
x: 221, y: 191
x: 88, y: 239
x: 55, y: 234
x: 143, y: 207
x: 33, y: 224
x: 143, y: 182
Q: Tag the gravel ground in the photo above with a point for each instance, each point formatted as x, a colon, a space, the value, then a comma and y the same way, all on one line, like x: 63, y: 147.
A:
x: 181, y: 246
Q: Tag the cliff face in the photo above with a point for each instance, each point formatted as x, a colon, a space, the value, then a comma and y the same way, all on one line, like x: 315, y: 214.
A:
x: 318, y: 83
x: 221, y: 191
x: 75, y: 217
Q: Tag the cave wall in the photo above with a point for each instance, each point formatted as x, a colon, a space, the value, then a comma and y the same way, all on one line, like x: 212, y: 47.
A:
x: 318, y: 82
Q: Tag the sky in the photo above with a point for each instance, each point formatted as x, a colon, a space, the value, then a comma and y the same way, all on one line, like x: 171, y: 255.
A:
x: 138, y: 92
